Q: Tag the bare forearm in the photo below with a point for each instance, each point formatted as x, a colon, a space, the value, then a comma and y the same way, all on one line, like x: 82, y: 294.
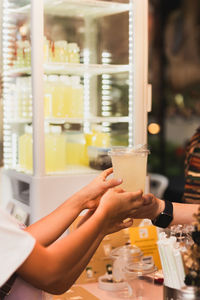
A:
x: 77, y: 243
x: 52, y: 267
x: 80, y: 267
x: 183, y: 213
x: 49, y: 267
x: 51, y: 227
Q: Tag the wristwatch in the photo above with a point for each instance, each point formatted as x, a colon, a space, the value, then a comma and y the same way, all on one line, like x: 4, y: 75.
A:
x: 165, y: 217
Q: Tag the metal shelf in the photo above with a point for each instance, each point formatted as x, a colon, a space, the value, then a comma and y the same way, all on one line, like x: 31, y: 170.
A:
x: 71, y: 69
x: 115, y: 119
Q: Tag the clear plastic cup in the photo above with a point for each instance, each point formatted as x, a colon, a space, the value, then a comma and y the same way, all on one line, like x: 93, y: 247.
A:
x: 140, y: 278
x: 130, y: 164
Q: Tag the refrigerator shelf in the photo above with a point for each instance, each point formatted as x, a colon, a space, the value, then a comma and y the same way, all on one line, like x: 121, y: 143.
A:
x: 71, y: 69
x: 115, y: 119
x: 81, y: 69
x: 27, y: 177
x: 17, y: 71
x: 85, y: 8
x: 76, y: 8
x: 18, y: 121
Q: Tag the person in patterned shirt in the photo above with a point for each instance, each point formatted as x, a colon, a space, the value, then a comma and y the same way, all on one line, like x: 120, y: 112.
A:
x: 192, y: 170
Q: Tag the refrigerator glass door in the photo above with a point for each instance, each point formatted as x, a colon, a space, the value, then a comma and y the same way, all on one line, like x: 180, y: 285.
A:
x: 70, y: 85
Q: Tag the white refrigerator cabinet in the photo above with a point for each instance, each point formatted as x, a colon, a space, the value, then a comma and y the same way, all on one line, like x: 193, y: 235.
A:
x: 113, y: 91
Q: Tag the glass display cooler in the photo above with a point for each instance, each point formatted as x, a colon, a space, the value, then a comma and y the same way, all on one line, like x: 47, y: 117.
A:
x: 74, y: 85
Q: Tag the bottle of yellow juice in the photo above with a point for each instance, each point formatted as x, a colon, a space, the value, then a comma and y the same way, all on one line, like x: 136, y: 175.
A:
x: 97, y: 137
x: 76, y: 105
x: 57, y: 97
x: 66, y: 89
x: 60, y: 52
x: 26, y: 150
x: 75, y: 148
x: 55, y: 150
x: 48, y: 88
x: 73, y: 53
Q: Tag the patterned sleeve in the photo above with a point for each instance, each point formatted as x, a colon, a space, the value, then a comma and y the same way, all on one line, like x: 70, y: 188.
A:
x: 192, y: 170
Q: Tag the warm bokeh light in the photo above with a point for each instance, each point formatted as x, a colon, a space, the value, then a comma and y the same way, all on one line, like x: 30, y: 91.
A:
x: 179, y: 100
x: 154, y: 128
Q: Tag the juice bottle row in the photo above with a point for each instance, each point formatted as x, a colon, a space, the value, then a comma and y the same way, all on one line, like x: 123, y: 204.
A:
x: 62, y: 149
x: 59, y: 52
x: 19, y: 99
x: 22, y: 54
x: 63, y: 97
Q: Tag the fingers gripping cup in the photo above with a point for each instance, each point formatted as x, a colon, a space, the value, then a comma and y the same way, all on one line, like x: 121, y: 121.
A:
x: 130, y: 164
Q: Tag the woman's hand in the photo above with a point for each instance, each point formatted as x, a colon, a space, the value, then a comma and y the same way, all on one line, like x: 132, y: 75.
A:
x: 90, y: 195
x: 152, y: 207
x: 117, y: 206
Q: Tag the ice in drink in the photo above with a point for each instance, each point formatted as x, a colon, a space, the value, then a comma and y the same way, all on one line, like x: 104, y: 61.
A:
x: 130, y: 165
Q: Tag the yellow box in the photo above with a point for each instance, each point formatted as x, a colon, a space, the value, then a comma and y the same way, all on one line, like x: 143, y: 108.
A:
x: 145, y: 237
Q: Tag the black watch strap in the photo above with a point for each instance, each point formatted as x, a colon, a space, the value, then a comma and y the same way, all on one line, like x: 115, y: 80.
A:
x: 165, y: 217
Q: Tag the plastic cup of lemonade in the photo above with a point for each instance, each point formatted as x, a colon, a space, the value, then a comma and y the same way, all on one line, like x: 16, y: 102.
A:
x: 130, y: 164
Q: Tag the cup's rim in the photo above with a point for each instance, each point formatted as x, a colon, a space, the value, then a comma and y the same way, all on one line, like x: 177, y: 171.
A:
x: 123, y: 150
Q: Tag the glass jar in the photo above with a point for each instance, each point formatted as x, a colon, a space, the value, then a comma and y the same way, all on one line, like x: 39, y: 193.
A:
x: 121, y: 256
x: 140, y: 278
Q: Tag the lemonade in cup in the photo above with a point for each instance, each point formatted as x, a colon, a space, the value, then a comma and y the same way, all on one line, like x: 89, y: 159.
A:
x: 130, y: 164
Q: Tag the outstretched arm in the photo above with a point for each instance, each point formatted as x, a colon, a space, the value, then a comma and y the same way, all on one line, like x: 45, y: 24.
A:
x: 79, y: 267
x: 182, y: 212
x: 56, y: 267
x: 49, y: 228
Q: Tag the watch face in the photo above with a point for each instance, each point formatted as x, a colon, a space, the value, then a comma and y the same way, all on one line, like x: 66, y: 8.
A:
x: 166, y: 219
x: 163, y: 220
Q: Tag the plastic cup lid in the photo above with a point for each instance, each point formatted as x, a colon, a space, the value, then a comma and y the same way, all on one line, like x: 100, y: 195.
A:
x: 138, y: 149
